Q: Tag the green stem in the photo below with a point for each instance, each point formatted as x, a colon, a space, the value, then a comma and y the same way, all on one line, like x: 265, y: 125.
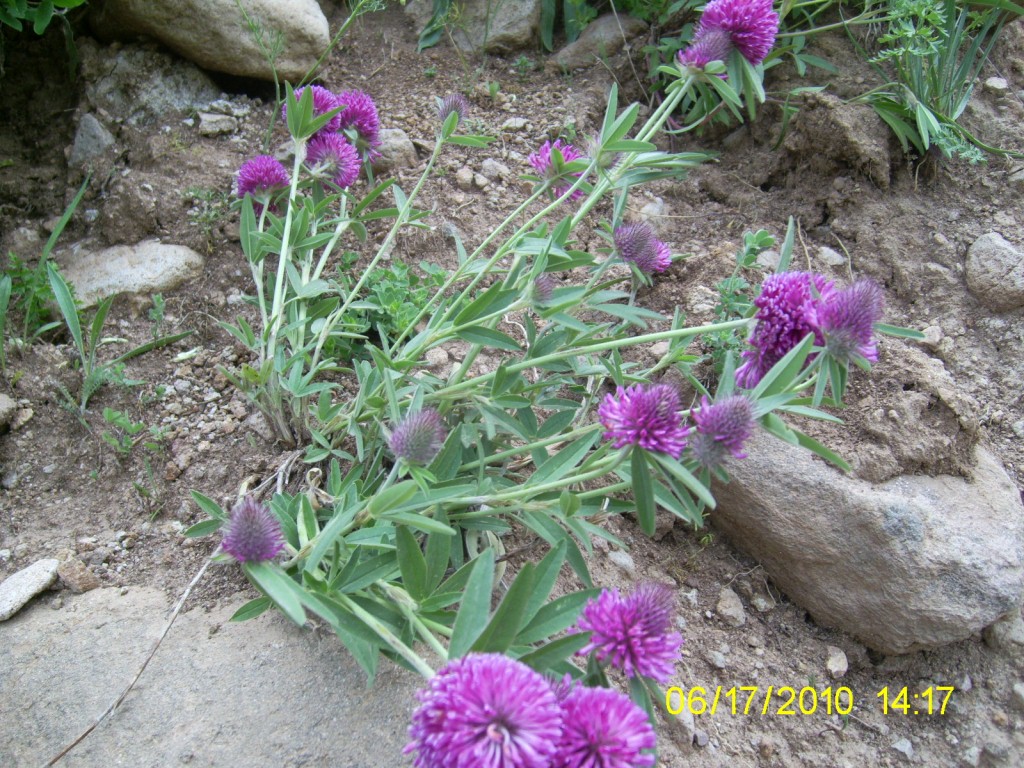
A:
x: 387, y: 636
x: 525, y: 449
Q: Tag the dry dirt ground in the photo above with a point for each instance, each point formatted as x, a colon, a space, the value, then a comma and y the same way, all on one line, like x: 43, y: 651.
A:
x: 850, y: 189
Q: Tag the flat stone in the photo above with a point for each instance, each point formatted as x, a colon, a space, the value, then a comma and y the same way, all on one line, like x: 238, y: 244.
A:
x: 216, y: 124
x: 92, y: 140
x: 904, y: 747
x: 601, y: 38
x: 836, y: 663
x: 486, y: 26
x: 623, y: 560
x: 884, y: 562
x: 730, y: 608
x: 514, y: 124
x: 995, y: 273
x: 8, y: 407
x: 831, y: 256
x: 1007, y: 634
x: 145, y: 268
x: 494, y: 170
x: 214, y: 33
x: 20, y: 587
x: 396, y: 151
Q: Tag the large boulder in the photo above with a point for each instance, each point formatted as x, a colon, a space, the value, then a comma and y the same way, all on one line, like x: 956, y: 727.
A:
x: 913, y: 563
x: 602, y: 38
x: 487, y: 25
x: 216, y: 35
x: 995, y: 272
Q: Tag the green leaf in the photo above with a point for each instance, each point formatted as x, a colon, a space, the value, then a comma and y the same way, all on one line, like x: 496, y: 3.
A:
x: 277, y: 585
x: 824, y: 451
x: 66, y: 303
x: 396, y: 495
x: 438, y: 553
x: 547, y: 656
x: 494, y: 299
x: 419, y: 522
x: 411, y: 563
x: 563, y: 462
x: 44, y: 12
x: 643, y: 490
x: 477, y: 142
x: 476, y: 603
x: 205, y: 528
x: 252, y: 609
x: 209, y: 506
x: 507, y: 619
x: 898, y: 331
x: 488, y: 337
x: 554, y: 617
x: 547, y: 573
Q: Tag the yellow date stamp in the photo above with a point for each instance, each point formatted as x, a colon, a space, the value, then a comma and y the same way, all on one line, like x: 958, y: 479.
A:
x: 785, y: 700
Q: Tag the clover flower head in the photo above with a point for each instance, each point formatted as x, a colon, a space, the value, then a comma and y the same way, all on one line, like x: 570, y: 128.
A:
x: 602, y: 728
x: 544, y: 286
x: 749, y: 26
x: 721, y: 428
x: 645, y: 415
x: 332, y: 155
x: 632, y: 633
x: 323, y: 102
x: 453, y: 102
x: 253, y: 534
x: 787, y: 310
x: 542, y: 164
x: 637, y: 244
x: 848, y: 320
x: 360, y: 113
x: 262, y: 177
x: 419, y: 437
x: 485, y: 710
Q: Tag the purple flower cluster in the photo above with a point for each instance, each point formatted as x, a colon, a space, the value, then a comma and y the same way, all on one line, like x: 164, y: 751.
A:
x: 721, y: 428
x: 253, y: 534
x: 645, y: 415
x: 323, y: 102
x: 748, y: 26
x: 263, y: 177
x: 794, y: 304
x: 329, y: 154
x: 632, y: 633
x: 360, y: 120
x: 486, y: 710
x: 542, y: 163
x: 453, y: 102
x: 637, y: 244
x: 418, y: 437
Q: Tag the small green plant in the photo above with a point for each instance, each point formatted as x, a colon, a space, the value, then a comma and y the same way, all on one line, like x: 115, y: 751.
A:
x: 430, y: 72
x: 209, y: 207
x: 493, y: 88
x: 125, y: 433
x: 935, y: 50
x: 156, y: 314
x: 524, y: 66
x: 38, y: 14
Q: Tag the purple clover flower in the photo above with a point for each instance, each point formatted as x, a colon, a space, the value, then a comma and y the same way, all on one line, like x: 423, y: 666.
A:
x: 636, y: 243
x: 360, y: 114
x: 749, y: 26
x: 722, y: 428
x: 253, y: 534
x: 602, y: 728
x: 787, y: 310
x: 541, y: 162
x: 632, y: 633
x: 646, y: 416
x: 335, y: 157
x: 262, y: 177
x: 847, y: 321
x: 453, y: 102
x: 323, y: 102
x: 544, y: 286
x: 419, y: 437
x: 485, y: 710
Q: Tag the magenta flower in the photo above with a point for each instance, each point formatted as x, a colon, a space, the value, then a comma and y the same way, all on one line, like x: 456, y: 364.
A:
x: 323, y: 102
x: 602, y: 728
x: 632, y: 633
x: 749, y: 26
x: 253, y: 534
x: 722, y: 428
x: 485, y: 710
x: 788, y: 310
x: 331, y: 155
x: 262, y: 177
x: 644, y: 415
x: 360, y: 114
x: 453, y: 102
x: 636, y: 243
x: 541, y: 162
x: 848, y: 320
x: 419, y: 437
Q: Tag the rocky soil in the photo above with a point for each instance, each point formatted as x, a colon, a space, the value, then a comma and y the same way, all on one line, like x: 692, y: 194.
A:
x: 944, y: 239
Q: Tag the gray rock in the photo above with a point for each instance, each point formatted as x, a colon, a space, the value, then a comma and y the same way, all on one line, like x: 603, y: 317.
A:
x: 831, y: 256
x: 730, y: 609
x: 214, y: 34
x: 1017, y: 699
x: 8, y: 407
x: 484, y: 25
x: 995, y: 272
x: 92, y: 140
x: 139, y: 85
x: 887, y: 563
x: 464, y: 178
x: 1007, y: 634
x: 216, y: 124
x: 601, y: 38
x: 396, y: 151
x: 20, y: 587
x: 904, y: 747
x: 76, y: 576
x: 514, y: 124
x: 836, y: 663
x: 623, y: 560
x: 717, y: 659
x: 147, y: 267
x: 494, y: 170
x: 655, y: 213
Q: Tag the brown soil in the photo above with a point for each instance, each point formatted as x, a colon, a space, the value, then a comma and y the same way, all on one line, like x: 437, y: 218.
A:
x: 837, y: 171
